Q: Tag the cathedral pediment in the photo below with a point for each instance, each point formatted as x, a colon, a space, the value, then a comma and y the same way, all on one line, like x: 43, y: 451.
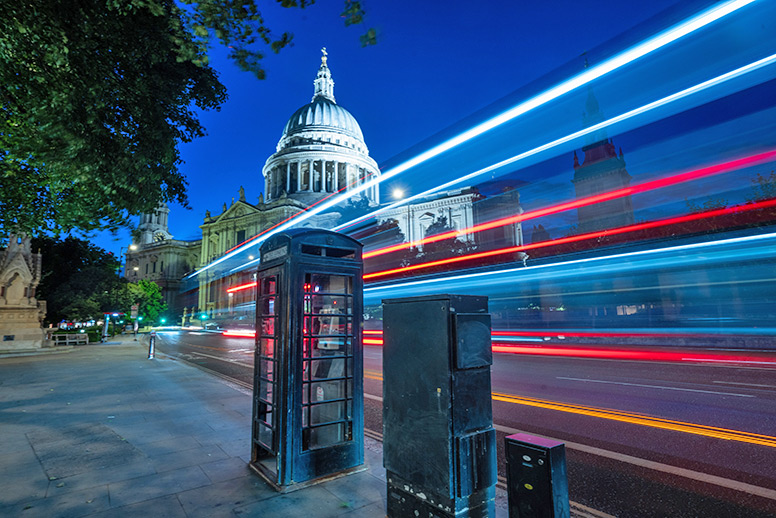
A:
x: 237, y: 210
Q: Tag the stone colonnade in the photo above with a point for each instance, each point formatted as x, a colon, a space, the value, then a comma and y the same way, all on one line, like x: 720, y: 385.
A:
x: 310, y: 175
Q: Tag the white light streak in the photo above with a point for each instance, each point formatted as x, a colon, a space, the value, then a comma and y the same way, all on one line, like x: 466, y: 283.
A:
x: 524, y: 273
x: 716, y: 81
x: 638, y: 51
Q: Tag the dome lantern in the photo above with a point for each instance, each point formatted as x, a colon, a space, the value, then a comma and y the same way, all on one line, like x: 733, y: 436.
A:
x: 324, y: 85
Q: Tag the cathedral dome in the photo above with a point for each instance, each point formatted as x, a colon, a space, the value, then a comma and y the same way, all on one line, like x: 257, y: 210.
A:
x: 323, y: 114
x: 321, y: 152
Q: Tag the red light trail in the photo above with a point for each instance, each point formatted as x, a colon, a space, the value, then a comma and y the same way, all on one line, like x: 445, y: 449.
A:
x: 583, y: 202
x: 242, y: 287
x: 581, y: 237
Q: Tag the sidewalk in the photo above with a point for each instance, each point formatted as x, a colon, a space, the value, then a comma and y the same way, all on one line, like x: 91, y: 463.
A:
x: 103, y: 432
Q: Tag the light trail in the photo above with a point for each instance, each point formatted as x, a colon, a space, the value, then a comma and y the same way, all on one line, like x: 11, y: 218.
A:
x: 642, y: 420
x: 581, y: 133
x: 627, y: 417
x: 651, y: 185
x: 239, y: 333
x: 646, y: 47
x: 242, y: 287
x: 581, y: 237
x: 524, y: 273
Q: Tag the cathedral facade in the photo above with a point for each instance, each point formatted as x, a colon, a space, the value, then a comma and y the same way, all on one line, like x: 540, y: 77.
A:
x: 321, y: 151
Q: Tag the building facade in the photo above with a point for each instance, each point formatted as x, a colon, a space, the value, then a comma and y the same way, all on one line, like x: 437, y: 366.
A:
x: 602, y: 170
x: 155, y: 256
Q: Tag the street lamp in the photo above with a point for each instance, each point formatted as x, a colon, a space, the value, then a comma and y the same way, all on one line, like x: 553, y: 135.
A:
x: 129, y: 248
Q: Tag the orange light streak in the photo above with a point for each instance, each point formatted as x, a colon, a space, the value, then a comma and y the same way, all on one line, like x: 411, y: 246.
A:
x: 725, y: 167
x: 628, y: 417
x: 643, y: 420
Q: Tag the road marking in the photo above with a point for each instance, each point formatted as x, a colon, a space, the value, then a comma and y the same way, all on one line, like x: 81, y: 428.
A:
x: 657, y: 466
x: 662, y: 387
x: 235, y: 362
x: 644, y: 463
x: 730, y: 362
x: 745, y: 384
x: 643, y: 420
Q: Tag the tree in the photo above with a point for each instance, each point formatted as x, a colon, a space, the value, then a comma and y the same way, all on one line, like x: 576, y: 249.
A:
x: 96, y: 97
x: 764, y: 187
x: 148, y: 296
x: 78, y: 280
x: 452, y: 246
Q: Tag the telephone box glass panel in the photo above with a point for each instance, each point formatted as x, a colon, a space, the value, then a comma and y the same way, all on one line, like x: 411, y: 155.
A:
x: 327, y: 356
x: 266, y: 357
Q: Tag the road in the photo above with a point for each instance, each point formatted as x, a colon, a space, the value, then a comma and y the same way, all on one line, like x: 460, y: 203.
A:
x: 643, y: 438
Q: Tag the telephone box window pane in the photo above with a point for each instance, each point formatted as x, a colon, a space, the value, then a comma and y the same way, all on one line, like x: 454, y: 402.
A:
x: 328, y: 368
x: 332, y: 304
x: 267, y: 369
x: 329, y: 390
x: 268, y: 306
x: 331, y: 325
x: 329, y: 283
x: 268, y: 286
x: 267, y: 347
x: 265, y: 435
x: 325, y: 345
x: 268, y: 326
x: 314, y: 438
x: 327, y: 413
x: 266, y: 390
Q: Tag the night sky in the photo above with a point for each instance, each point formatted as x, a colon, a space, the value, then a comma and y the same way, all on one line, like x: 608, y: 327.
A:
x: 435, y: 64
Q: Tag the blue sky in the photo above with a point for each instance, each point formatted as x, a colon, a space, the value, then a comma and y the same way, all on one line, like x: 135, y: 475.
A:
x: 436, y: 63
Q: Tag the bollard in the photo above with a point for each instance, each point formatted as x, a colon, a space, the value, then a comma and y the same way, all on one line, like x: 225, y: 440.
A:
x: 151, y: 340
x: 536, y: 477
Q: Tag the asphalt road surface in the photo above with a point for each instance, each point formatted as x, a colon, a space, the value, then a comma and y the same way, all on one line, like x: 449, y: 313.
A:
x: 643, y: 438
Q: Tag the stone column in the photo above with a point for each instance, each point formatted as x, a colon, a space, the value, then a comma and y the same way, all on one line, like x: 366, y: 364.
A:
x: 335, y: 182
x: 288, y: 177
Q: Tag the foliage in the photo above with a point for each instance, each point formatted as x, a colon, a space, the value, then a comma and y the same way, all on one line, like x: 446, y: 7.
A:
x: 96, y: 96
x: 451, y: 246
x: 710, y: 203
x: 764, y: 187
x: 80, y: 281
x: 148, y: 296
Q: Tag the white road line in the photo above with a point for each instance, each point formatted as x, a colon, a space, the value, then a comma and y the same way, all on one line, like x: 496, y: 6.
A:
x: 730, y: 362
x: 655, y: 386
x: 657, y: 466
x: 235, y: 362
x: 745, y: 384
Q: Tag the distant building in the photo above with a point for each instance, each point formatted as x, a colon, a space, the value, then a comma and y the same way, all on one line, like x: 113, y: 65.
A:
x: 320, y: 152
x: 157, y: 257
x: 459, y: 210
x: 602, y: 170
x: 21, y: 314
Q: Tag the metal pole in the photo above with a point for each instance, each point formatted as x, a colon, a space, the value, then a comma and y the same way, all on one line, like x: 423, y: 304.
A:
x: 105, y: 328
x: 151, y: 340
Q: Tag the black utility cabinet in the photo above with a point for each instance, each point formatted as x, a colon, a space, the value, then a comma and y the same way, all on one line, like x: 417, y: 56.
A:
x: 439, y: 445
x: 308, y: 396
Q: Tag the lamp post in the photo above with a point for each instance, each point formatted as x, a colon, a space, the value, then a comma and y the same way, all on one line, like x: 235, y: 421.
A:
x: 129, y: 248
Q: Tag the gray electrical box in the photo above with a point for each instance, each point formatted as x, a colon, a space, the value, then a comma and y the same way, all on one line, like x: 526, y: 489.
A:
x: 439, y: 445
x: 536, y: 477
